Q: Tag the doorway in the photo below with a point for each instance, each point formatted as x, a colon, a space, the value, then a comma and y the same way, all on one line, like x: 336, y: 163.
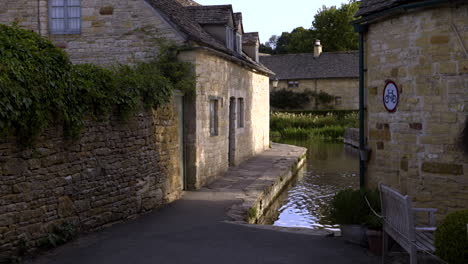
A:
x: 232, y: 131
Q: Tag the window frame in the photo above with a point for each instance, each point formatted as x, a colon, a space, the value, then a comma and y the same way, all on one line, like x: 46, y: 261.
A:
x: 338, y: 100
x: 229, y: 38
x: 66, y: 18
x: 214, y: 117
x: 293, y: 84
x: 240, y: 113
x: 238, y: 42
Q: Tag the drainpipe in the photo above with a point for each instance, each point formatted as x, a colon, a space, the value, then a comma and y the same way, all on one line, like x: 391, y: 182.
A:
x: 362, y: 143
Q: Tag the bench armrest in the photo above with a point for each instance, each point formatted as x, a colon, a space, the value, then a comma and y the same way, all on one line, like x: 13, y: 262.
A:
x: 430, y: 214
x: 425, y: 229
x: 425, y: 209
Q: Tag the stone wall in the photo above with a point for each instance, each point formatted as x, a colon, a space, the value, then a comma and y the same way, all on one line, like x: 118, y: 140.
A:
x: 346, y: 88
x: 112, y: 31
x: 116, y: 170
x: 222, y: 79
x: 26, y: 13
x: 415, y: 148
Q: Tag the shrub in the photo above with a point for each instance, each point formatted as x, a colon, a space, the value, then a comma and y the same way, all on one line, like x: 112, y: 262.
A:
x: 60, y: 235
x: 348, y: 206
x: 373, y: 221
x: 451, y: 239
x: 284, y: 99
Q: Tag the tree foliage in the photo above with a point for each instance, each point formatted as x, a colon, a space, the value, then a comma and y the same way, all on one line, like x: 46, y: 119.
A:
x: 331, y: 25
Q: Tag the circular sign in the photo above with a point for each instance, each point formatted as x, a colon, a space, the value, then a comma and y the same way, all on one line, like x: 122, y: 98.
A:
x: 391, y: 96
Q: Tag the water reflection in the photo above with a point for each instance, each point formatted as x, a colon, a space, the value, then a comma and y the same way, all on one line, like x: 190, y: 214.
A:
x: 330, y: 167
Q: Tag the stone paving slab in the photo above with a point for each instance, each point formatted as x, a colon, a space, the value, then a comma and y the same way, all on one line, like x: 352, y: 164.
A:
x: 197, y: 228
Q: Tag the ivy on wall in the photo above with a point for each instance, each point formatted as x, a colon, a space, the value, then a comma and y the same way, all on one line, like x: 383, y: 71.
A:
x: 39, y: 86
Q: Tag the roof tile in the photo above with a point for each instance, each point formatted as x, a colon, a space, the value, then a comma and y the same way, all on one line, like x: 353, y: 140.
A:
x: 217, y: 14
x: 305, y: 66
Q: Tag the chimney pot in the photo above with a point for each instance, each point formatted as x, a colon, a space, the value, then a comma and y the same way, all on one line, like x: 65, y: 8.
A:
x: 317, y: 48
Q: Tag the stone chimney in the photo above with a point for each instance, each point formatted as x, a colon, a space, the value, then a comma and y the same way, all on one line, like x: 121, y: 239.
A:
x: 317, y: 49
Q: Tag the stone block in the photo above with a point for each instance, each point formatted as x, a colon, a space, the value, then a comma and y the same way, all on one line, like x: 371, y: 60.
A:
x: 440, y: 39
x: 65, y: 207
x: 380, y: 145
x: 448, y: 68
x: 383, y: 135
x: 416, y: 126
x: 106, y: 10
x: 404, y: 163
x: 442, y: 168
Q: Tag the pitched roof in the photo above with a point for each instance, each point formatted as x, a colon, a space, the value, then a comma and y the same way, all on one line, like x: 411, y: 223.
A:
x: 188, y: 3
x: 216, y: 14
x: 369, y: 7
x: 180, y: 17
x: 250, y: 38
x: 305, y: 66
x: 238, y: 19
x: 183, y: 21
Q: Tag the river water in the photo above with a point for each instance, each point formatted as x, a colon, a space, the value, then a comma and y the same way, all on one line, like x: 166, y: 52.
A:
x: 330, y: 167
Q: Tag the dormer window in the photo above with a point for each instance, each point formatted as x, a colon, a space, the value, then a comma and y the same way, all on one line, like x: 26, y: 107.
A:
x: 229, y: 38
x: 238, y: 43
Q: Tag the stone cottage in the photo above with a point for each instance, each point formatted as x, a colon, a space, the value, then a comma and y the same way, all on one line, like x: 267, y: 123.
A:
x: 115, y: 170
x: 415, y: 99
x: 335, y: 73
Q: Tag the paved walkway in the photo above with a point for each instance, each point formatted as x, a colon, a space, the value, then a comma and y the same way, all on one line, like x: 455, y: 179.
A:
x: 197, y: 229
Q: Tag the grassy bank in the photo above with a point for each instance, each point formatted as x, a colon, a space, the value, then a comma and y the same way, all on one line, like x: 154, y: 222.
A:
x: 329, y: 126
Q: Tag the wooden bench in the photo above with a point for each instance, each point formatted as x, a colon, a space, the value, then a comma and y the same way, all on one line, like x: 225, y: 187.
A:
x: 399, y: 224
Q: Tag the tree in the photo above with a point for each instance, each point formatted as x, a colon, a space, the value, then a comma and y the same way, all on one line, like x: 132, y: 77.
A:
x: 301, y: 40
x: 282, y: 43
x: 333, y: 27
x: 269, y: 46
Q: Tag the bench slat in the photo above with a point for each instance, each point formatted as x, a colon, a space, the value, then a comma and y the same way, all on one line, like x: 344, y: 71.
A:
x: 425, y: 241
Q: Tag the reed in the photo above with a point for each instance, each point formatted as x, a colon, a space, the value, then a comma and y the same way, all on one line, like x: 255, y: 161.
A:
x: 309, y: 125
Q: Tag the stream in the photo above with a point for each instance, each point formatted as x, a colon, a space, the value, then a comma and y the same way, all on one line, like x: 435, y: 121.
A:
x: 330, y: 167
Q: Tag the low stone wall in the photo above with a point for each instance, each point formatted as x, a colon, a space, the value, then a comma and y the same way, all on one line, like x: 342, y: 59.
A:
x: 116, y: 170
x: 351, y: 137
x: 264, y: 193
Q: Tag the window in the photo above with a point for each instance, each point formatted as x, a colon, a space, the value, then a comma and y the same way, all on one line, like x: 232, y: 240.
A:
x: 239, y: 43
x: 229, y: 38
x: 338, y: 100
x: 213, y: 117
x: 293, y: 84
x: 240, y: 112
x: 65, y: 16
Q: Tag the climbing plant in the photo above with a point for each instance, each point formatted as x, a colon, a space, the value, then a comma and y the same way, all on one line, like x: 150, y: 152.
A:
x: 39, y: 85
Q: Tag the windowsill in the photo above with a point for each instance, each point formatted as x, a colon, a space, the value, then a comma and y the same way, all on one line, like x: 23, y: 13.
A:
x: 64, y: 34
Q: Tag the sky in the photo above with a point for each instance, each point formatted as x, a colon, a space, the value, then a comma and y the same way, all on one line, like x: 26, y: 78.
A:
x: 272, y: 17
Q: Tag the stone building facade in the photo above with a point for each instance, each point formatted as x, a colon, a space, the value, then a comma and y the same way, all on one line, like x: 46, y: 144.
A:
x: 118, y: 170
x: 343, y: 89
x: 334, y: 73
x: 416, y: 148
